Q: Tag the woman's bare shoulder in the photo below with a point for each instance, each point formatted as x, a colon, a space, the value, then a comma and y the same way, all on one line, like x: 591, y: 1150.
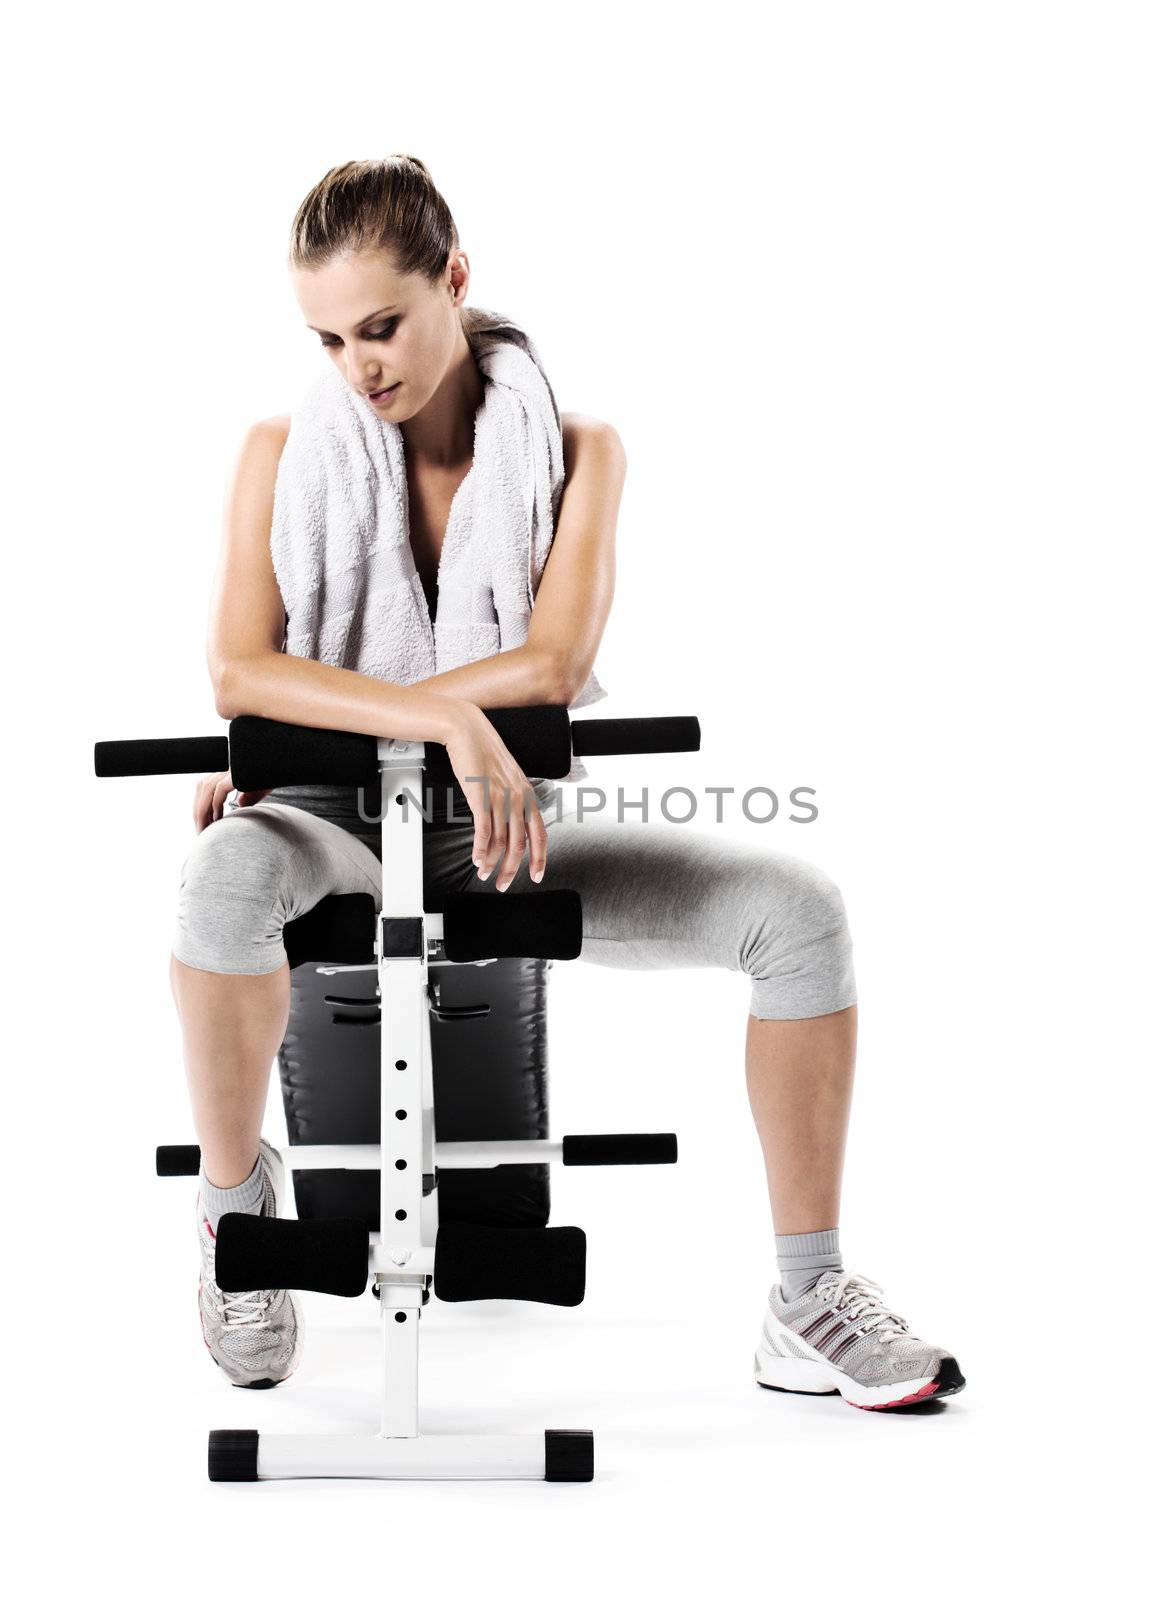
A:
x: 589, y: 438
x: 593, y: 441
x: 270, y: 433
x: 258, y: 458
x: 578, y: 425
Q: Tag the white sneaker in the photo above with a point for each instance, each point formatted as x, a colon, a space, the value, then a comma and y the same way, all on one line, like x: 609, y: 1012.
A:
x: 839, y: 1337
x: 257, y: 1337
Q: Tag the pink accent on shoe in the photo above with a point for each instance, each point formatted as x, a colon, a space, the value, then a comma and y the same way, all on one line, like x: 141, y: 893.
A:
x: 908, y: 1400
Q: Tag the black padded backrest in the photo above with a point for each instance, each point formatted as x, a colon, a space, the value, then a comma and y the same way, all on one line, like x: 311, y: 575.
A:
x: 490, y: 1072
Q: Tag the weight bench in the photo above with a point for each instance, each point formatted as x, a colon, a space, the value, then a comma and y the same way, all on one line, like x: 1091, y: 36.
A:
x: 413, y: 1078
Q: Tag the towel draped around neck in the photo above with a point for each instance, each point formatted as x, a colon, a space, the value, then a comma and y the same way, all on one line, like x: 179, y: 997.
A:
x: 340, y: 527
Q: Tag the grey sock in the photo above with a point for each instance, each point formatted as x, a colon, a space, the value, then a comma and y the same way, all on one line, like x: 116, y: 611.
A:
x: 245, y: 1196
x: 802, y: 1257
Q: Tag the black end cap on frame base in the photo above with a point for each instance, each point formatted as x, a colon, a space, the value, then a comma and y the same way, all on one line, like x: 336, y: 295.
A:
x: 233, y: 1455
x: 569, y: 1455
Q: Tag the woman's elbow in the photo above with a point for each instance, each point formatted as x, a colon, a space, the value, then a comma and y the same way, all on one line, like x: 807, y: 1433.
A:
x: 568, y: 681
x: 225, y: 679
x: 554, y: 680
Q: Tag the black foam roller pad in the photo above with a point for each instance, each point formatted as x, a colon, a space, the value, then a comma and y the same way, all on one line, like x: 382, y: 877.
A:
x: 135, y: 758
x: 283, y: 1253
x: 544, y: 1264
x: 339, y: 930
x: 546, y: 923
x: 618, y: 1149
x: 539, y: 738
x: 633, y: 736
x: 177, y: 1160
x: 270, y: 755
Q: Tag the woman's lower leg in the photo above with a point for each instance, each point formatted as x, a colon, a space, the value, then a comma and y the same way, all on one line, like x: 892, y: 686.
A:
x: 799, y: 1075
x: 232, y: 1026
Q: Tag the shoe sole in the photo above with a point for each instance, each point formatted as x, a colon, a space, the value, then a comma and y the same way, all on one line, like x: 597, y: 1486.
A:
x: 256, y: 1383
x: 790, y: 1375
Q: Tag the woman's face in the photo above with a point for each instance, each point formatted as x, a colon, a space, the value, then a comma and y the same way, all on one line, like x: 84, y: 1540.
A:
x: 391, y: 336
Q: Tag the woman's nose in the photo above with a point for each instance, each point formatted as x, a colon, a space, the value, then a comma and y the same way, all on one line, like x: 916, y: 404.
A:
x: 359, y: 367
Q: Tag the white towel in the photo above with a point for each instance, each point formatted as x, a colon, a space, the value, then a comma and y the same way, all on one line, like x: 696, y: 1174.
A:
x: 340, y: 527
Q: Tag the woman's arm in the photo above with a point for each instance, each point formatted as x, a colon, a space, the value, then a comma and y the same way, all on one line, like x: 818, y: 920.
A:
x: 575, y: 591
x: 249, y: 670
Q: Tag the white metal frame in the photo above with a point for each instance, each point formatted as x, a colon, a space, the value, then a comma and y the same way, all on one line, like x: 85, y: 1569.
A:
x: 401, y: 1255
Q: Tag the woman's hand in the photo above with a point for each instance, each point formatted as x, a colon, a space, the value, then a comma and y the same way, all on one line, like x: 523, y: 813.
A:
x: 506, y: 814
x: 210, y: 794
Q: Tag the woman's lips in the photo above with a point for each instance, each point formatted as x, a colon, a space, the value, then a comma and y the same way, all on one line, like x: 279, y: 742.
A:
x: 380, y: 397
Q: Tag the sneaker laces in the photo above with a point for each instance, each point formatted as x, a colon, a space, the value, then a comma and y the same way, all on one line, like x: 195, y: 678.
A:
x: 862, y: 1300
x: 240, y: 1308
x: 245, y: 1310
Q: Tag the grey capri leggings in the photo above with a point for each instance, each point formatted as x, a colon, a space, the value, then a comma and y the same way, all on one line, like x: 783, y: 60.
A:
x: 655, y: 895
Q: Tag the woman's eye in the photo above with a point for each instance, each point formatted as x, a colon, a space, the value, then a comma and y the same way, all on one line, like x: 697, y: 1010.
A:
x: 386, y: 332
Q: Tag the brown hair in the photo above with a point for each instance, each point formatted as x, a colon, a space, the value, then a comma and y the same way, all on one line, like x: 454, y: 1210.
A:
x: 391, y: 204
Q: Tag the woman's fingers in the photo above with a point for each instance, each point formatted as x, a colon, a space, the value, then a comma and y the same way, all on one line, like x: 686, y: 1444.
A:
x: 222, y: 789
x: 514, y: 823
x: 514, y: 828
x: 483, y: 832
x: 537, y: 834
x: 499, y: 831
x: 501, y: 800
x: 527, y: 828
x: 204, y: 801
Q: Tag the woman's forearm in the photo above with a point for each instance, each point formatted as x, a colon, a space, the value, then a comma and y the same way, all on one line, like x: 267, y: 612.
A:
x: 311, y: 694
x: 518, y: 677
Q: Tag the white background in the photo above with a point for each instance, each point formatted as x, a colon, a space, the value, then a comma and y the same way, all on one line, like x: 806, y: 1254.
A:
x: 874, y: 295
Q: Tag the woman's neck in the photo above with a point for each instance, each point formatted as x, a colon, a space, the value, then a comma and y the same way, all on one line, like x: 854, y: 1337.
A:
x: 442, y: 433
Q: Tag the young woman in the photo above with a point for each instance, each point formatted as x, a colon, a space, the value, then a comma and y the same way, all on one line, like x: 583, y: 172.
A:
x: 382, y: 282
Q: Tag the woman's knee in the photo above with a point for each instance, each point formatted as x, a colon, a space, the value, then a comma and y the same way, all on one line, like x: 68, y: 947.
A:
x: 799, y: 952
x: 231, y: 899
x: 814, y: 898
